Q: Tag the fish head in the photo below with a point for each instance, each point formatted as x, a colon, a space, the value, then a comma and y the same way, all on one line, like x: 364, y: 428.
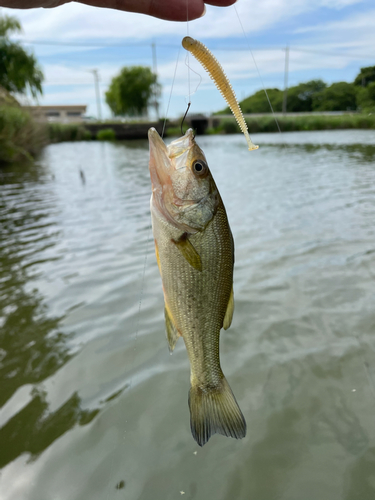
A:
x: 183, y: 189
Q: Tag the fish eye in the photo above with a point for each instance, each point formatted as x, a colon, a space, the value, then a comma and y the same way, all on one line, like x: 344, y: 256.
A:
x: 199, y: 167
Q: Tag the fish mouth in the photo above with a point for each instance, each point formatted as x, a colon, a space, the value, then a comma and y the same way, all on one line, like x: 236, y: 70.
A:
x: 181, y: 145
x: 164, y: 160
x: 159, y: 161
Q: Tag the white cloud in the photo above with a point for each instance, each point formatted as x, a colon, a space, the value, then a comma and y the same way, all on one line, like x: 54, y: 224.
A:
x: 354, y: 23
x: 338, y: 4
x: 353, y: 36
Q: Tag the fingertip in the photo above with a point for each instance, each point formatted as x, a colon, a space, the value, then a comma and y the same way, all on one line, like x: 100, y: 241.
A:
x: 220, y: 3
x: 179, y: 10
x: 204, y: 11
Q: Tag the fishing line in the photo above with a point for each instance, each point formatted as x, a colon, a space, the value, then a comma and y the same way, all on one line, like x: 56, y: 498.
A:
x: 200, y: 77
x: 187, y: 56
x: 135, y: 339
x: 256, y: 66
x: 139, y: 307
x: 187, y: 63
x: 170, y: 95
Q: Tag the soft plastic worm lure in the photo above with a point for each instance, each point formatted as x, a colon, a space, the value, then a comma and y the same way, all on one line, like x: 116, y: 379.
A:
x: 216, y: 72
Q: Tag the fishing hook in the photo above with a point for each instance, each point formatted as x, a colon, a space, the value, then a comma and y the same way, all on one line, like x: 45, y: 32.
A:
x: 183, y: 119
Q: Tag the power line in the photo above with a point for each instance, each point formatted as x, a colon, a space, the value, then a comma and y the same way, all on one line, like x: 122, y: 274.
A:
x: 79, y: 44
x: 295, y: 48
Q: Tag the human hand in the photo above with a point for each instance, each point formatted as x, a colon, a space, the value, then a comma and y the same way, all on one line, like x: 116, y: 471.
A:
x: 170, y: 10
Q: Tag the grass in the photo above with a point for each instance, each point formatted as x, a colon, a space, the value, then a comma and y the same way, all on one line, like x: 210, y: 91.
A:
x: 106, y: 134
x: 20, y: 136
x: 173, y: 131
x: 61, y: 132
x: 297, y: 123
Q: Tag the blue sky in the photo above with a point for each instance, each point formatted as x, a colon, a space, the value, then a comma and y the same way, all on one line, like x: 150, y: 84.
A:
x: 328, y: 39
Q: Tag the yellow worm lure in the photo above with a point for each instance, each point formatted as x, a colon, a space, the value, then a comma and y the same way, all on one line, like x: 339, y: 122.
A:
x: 216, y: 72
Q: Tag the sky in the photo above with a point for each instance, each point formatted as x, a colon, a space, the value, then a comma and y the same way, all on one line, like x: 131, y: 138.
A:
x: 327, y: 39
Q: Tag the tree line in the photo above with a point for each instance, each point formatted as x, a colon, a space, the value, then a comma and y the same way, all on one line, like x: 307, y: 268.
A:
x: 316, y: 95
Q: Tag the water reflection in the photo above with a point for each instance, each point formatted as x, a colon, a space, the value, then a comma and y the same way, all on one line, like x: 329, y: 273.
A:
x: 34, y: 428
x: 360, y: 477
x: 32, y: 345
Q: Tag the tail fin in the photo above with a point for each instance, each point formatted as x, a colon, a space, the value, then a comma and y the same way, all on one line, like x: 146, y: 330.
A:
x: 215, y: 410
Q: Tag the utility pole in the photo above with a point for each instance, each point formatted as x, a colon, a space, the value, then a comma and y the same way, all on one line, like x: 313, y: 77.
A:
x: 95, y: 72
x: 286, y: 70
x: 155, y: 90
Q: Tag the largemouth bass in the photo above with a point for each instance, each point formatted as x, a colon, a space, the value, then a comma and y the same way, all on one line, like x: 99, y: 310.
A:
x: 195, y: 254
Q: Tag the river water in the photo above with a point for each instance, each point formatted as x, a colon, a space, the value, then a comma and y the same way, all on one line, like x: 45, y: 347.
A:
x: 92, y: 405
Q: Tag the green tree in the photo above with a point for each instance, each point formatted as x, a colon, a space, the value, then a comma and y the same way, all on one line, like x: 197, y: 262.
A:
x: 366, y: 98
x: 365, y: 76
x: 19, y: 69
x: 300, y: 97
x: 340, y: 96
x: 258, y: 103
x: 131, y: 91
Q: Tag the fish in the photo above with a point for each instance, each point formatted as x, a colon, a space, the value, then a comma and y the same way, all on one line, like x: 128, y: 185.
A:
x: 195, y: 254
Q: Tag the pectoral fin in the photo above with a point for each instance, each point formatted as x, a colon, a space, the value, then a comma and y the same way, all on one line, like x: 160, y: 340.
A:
x: 188, y: 251
x: 229, y: 313
x: 171, y: 330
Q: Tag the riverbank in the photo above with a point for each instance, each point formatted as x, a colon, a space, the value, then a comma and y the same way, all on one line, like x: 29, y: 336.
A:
x: 295, y: 123
x: 20, y: 136
x: 59, y: 132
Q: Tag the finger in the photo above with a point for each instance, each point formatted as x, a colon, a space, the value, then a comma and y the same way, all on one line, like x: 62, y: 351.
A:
x: 220, y: 3
x: 171, y: 10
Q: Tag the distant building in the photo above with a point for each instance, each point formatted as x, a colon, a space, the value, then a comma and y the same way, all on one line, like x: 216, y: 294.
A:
x: 61, y: 114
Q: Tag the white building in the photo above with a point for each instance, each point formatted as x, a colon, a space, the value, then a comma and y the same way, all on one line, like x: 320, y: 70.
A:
x: 61, y: 114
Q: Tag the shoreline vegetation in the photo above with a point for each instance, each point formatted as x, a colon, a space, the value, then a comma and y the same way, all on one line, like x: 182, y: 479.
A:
x: 295, y: 123
x: 23, y: 138
x: 20, y: 136
x: 60, y: 132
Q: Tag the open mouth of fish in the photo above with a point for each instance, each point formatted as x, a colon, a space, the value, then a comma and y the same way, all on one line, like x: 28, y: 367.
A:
x: 164, y: 160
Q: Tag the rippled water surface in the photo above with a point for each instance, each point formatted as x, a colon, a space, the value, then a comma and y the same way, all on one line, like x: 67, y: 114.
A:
x: 92, y: 406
